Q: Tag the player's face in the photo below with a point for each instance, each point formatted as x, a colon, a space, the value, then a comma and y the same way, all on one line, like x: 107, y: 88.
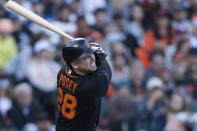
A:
x: 87, y: 64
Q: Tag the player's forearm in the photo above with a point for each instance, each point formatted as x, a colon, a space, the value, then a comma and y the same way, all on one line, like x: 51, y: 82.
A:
x: 103, y: 66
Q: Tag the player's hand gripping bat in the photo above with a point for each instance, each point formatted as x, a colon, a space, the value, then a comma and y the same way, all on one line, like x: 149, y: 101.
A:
x: 35, y: 18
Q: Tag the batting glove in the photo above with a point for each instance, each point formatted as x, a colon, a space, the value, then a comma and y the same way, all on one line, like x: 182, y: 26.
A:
x: 96, y: 48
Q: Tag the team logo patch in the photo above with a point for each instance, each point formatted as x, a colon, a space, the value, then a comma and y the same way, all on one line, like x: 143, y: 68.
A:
x: 69, y: 71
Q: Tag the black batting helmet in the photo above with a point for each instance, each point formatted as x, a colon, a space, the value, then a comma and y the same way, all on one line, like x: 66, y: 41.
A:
x: 76, y: 49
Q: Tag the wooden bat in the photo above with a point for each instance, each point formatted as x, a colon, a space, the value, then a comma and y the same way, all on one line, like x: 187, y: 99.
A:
x: 35, y: 18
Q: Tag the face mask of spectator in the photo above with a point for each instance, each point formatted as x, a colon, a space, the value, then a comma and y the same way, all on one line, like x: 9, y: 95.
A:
x: 114, y: 37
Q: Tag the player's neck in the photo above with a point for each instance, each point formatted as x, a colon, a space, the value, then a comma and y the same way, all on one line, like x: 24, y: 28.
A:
x: 79, y: 72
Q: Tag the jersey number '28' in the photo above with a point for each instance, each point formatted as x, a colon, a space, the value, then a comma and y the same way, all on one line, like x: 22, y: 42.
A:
x: 68, y: 102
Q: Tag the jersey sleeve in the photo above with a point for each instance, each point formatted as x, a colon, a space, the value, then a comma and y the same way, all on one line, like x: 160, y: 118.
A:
x: 101, y: 78
x: 100, y: 85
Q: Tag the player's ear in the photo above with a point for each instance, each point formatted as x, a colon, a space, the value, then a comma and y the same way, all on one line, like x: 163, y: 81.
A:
x: 74, y: 65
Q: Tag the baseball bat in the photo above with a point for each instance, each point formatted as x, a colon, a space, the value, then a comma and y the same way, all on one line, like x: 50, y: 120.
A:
x: 35, y: 18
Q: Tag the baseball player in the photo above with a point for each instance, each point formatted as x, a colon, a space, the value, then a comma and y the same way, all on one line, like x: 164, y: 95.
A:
x: 81, y: 85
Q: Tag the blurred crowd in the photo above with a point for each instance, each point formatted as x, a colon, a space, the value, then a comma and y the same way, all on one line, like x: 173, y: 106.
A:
x: 151, y: 47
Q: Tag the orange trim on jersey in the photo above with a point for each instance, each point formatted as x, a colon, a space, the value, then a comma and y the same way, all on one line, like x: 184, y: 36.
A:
x: 69, y: 74
x: 106, y: 76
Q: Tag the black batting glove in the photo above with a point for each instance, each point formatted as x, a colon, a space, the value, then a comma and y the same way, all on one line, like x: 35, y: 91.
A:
x: 96, y: 48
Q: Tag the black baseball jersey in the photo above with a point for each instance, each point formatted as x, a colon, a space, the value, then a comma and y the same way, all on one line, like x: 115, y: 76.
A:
x: 79, y: 97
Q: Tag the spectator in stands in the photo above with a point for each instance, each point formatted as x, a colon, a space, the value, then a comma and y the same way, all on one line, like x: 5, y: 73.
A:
x: 18, y: 65
x: 159, y: 37
x: 166, y: 76
x: 75, y: 10
x: 177, y: 105
x: 157, y: 63
x: 180, y: 60
x: 101, y: 20
x: 171, y: 50
x: 118, y: 48
x: 8, y: 47
x: 119, y: 65
x: 135, y: 27
x: 24, y: 110
x: 137, y: 79
x: 120, y: 70
x: 44, y: 77
x: 63, y: 21
x: 151, y: 109
x: 180, y: 23
x: 119, y: 20
x: 121, y: 110
x: 112, y: 35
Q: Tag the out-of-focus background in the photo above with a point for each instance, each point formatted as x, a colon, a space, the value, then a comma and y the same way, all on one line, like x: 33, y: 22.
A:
x: 151, y: 47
